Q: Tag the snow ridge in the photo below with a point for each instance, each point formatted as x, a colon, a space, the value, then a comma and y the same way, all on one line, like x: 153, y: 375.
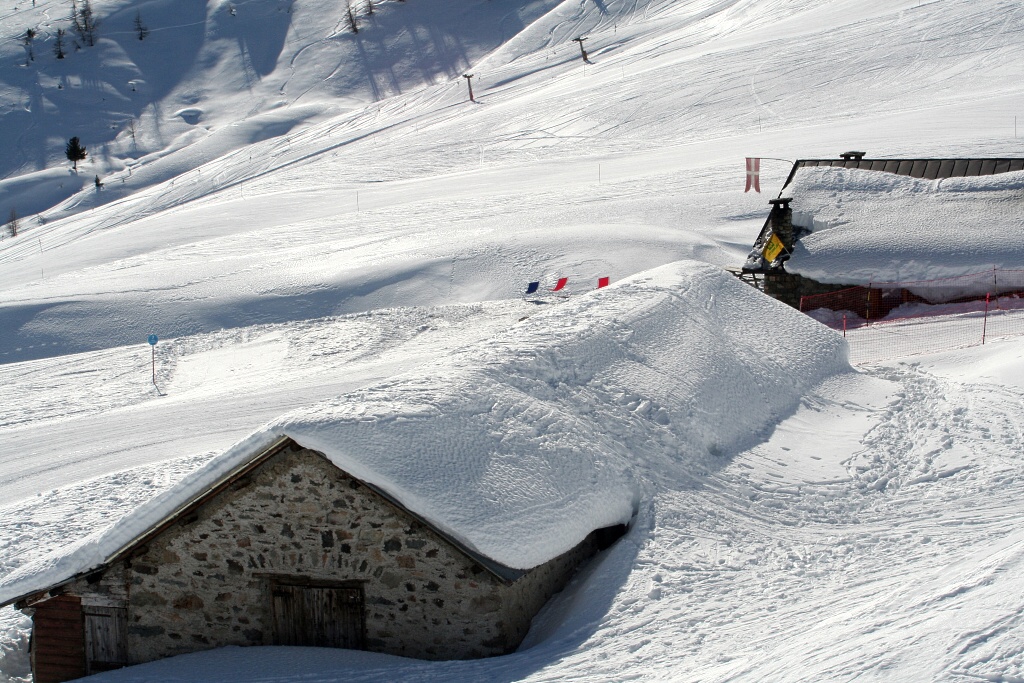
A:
x: 521, y: 445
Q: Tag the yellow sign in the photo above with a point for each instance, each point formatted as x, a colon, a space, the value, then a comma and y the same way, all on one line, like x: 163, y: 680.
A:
x: 773, y: 249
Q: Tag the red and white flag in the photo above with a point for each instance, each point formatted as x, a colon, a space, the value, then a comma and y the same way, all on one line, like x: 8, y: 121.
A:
x: 753, y: 174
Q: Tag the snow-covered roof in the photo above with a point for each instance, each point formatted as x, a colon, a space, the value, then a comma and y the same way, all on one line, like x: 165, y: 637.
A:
x: 870, y: 226
x: 520, y: 446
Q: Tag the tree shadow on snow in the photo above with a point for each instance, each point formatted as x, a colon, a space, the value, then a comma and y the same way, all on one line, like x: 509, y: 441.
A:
x: 260, y: 30
x: 93, y: 91
x: 435, y: 48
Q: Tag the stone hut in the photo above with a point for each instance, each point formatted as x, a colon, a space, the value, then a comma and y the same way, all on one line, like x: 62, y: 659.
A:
x: 865, y: 276
x: 289, y: 549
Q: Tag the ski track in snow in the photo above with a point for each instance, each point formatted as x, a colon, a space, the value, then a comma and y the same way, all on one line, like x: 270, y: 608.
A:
x: 894, y: 542
x: 348, y: 227
x: 233, y: 380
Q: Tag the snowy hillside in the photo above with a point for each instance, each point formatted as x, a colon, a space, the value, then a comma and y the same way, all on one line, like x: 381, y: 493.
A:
x: 561, y: 168
x: 206, y: 79
x: 305, y: 212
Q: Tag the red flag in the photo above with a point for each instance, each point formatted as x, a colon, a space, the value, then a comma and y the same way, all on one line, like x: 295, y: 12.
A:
x: 602, y: 282
x: 753, y: 174
x: 560, y: 284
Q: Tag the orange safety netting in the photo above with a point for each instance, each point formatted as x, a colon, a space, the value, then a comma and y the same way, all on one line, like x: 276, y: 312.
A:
x: 894, y: 319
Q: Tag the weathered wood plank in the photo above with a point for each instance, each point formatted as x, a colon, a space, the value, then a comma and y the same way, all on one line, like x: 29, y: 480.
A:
x: 105, y: 638
x: 318, y: 616
x: 58, y: 647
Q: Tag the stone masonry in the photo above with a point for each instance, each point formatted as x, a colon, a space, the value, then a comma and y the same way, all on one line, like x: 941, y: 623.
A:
x: 205, y: 581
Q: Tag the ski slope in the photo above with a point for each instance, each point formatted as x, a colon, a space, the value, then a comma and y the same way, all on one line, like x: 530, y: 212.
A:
x: 305, y: 212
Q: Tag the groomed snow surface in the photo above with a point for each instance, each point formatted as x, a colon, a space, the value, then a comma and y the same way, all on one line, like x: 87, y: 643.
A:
x: 304, y: 214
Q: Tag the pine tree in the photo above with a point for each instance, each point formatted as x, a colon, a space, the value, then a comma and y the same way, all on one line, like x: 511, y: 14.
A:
x: 58, y: 47
x: 131, y: 132
x: 12, y: 224
x: 74, y: 152
x: 140, y: 28
x: 84, y: 22
x: 351, y: 17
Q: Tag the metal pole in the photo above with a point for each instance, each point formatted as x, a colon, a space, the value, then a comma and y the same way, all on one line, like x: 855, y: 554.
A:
x: 154, y: 364
x: 844, y: 326
x: 583, y: 52
x: 469, y: 82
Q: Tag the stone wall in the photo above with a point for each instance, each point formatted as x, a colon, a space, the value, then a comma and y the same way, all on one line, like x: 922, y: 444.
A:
x: 205, y: 582
x: 527, y: 595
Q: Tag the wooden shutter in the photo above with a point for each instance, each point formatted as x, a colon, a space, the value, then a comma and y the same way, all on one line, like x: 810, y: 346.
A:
x: 105, y: 647
x: 318, y: 615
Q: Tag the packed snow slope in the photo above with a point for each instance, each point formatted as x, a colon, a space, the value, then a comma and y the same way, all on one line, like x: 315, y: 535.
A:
x: 868, y: 227
x: 422, y: 197
x: 293, y: 244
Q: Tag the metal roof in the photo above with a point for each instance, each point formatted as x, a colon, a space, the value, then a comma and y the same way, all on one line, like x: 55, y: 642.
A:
x: 929, y: 169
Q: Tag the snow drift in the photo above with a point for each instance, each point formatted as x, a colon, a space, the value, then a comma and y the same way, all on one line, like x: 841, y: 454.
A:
x: 522, y: 445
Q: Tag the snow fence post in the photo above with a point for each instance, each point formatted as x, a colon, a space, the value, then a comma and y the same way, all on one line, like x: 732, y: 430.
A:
x: 984, y: 323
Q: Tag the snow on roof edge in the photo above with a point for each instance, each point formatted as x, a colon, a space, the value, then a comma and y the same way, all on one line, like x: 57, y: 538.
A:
x: 870, y: 226
x: 89, y: 555
x: 103, y: 547
x: 533, y: 439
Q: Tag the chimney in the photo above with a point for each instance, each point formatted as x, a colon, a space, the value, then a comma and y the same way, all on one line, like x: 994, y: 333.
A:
x: 781, y: 218
x: 854, y: 156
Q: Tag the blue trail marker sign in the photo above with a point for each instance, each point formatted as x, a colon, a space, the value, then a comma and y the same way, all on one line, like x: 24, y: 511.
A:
x: 152, y: 344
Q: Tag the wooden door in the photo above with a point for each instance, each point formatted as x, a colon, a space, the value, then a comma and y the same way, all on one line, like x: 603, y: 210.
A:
x: 58, y: 650
x: 105, y: 646
x: 318, y: 615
